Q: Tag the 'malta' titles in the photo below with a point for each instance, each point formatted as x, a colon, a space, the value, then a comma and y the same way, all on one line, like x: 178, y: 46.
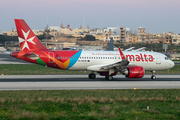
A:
x: 141, y: 57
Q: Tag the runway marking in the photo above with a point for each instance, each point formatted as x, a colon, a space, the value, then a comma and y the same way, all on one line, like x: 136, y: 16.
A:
x: 135, y: 88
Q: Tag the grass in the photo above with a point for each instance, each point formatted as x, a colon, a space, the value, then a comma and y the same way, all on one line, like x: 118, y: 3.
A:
x: 32, y: 69
x: 90, y: 104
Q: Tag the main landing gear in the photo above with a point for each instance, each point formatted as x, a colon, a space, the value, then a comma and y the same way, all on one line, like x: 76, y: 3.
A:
x: 92, y: 76
x: 153, y: 76
x: 109, y: 77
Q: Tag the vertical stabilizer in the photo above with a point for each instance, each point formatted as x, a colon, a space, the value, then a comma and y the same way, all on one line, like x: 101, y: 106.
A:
x: 110, y: 46
x: 27, y: 39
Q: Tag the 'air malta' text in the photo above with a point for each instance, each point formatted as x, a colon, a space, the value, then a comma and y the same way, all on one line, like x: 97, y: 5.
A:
x: 140, y: 57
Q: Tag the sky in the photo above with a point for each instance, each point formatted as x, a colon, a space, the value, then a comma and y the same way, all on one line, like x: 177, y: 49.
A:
x: 156, y: 16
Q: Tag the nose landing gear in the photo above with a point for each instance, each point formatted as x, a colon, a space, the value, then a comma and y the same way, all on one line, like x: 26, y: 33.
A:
x: 109, y: 77
x: 153, y: 76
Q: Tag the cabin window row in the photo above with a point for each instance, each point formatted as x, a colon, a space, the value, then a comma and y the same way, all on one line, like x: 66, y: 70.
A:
x: 89, y: 57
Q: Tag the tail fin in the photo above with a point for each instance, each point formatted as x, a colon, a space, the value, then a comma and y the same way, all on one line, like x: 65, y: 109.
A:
x: 27, y: 39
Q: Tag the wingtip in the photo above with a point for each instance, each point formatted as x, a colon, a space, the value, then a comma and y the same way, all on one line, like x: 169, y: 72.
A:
x: 121, y: 53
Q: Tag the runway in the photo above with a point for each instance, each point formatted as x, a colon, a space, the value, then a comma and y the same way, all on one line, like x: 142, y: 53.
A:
x: 73, y: 82
x: 5, y: 58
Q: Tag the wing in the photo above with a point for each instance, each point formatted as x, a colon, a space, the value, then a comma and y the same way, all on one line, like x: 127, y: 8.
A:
x: 123, y: 63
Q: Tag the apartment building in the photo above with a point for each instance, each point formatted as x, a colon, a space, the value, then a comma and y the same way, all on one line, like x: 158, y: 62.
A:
x: 122, y: 34
x: 77, y: 32
x: 151, y: 38
x: 141, y: 32
x: 175, y: 39
x: 10, y: 33
x: 58, y: 45
x: 14, y: 32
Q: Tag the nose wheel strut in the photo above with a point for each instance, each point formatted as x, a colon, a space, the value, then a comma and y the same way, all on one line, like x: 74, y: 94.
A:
x: 153, y: 76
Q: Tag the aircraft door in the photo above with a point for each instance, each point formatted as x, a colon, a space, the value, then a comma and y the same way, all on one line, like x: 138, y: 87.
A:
x: 51, y: 57
x: 158, y: 59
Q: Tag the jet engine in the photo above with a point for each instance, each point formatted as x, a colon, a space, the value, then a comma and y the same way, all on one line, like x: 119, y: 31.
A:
x: 134, y: 72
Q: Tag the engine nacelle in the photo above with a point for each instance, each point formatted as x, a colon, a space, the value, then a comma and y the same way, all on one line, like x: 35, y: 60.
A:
x: 134, y: 72
x: 107, y: 73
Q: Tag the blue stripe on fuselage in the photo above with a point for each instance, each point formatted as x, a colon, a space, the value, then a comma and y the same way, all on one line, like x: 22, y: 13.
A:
x: 74, y: 59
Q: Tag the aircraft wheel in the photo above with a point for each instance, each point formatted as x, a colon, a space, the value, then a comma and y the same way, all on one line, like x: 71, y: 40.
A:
x: 153, y: 77
x: 109, y: 77
x: 92, y: 76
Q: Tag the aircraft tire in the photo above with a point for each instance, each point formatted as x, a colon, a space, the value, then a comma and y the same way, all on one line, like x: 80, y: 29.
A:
x: 92, y: 76
x: 109, y: 77
x: 153, y: 77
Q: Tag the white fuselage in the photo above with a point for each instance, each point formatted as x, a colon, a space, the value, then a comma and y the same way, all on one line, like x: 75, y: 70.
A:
x: 148, y: 60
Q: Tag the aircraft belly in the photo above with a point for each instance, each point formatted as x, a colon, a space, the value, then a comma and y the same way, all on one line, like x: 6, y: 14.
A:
x: 85, y: 65
x: 147, y: 65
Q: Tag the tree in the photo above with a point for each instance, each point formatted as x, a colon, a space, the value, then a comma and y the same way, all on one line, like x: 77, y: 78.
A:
x: 5, y: 38
x: 90, y: 38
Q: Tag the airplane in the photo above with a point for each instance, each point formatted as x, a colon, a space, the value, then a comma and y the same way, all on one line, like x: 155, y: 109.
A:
x: 132, y: 64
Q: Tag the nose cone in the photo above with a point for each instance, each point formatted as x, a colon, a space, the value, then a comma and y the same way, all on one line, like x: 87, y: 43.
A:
x: 171, y: 64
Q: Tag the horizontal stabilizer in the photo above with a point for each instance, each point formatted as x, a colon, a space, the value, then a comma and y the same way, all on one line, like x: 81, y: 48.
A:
x: 32, y: 56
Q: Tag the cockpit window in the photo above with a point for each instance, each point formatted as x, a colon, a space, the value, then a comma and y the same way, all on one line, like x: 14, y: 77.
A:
x: 166, y: 58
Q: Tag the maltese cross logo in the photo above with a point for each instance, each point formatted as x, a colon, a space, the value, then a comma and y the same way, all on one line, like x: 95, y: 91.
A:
x: 25, y: 40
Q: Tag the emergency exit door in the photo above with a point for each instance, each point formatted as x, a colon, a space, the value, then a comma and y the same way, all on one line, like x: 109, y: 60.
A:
x: 51, y: 57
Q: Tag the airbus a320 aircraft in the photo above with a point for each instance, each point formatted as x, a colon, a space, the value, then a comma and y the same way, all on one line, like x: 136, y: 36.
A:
x: 132, y: 64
